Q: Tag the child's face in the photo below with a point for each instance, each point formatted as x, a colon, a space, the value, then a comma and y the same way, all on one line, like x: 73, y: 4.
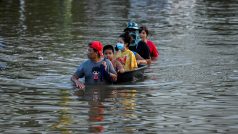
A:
x: 108, y: 54
x: 143, y: 34
x: 120, y: 40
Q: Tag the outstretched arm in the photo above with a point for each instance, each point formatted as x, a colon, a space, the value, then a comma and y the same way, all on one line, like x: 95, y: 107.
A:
x: 76, y: 81
x: 140, y: 60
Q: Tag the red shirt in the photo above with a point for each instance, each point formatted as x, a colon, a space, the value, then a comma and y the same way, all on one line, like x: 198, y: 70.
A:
x: 153, y: 50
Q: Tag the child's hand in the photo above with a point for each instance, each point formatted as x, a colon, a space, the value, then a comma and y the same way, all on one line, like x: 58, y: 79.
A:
x: 104, y: 64
x: 113, y: 76
x: 122, y: 60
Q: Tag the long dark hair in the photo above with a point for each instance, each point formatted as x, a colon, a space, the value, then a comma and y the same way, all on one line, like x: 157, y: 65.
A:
x: 126, y: 37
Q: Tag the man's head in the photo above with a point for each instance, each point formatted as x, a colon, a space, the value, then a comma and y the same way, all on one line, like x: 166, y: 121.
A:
x: 95, y: 49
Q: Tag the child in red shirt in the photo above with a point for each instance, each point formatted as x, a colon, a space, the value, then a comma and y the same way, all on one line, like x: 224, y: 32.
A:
x: 144, y: 34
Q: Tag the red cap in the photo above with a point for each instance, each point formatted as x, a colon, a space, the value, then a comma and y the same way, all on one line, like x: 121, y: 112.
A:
x: 97, y: 45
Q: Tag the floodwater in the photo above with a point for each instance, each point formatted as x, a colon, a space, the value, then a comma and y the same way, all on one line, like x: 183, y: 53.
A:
x: 192, y: 88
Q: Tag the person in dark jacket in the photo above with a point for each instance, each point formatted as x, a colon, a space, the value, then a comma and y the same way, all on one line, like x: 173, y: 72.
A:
x: 137, y: 45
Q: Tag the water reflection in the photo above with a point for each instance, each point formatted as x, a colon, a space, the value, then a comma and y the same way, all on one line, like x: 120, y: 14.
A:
x: 22, y: 18
x: 64, y: 119
x: 95, y: 98
x: 107, y: 104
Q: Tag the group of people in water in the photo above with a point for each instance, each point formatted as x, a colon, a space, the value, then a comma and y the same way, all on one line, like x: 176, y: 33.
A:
x: 132, y: 49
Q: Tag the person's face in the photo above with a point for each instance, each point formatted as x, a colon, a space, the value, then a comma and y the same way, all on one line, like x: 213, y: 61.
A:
x: 91, y: 53
x: 120, y: 40
x: 108, y: 54
x: 143, y: 34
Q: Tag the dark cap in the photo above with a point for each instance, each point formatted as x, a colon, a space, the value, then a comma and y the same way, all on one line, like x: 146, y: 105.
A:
x: 131, y: 25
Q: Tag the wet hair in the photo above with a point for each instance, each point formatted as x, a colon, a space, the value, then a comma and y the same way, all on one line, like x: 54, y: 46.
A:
x: 108, y: 47
x: 145, y: 29
x: 126, y: 37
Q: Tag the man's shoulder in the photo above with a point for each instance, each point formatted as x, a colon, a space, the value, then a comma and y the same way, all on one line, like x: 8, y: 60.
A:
x: 86, y: 63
